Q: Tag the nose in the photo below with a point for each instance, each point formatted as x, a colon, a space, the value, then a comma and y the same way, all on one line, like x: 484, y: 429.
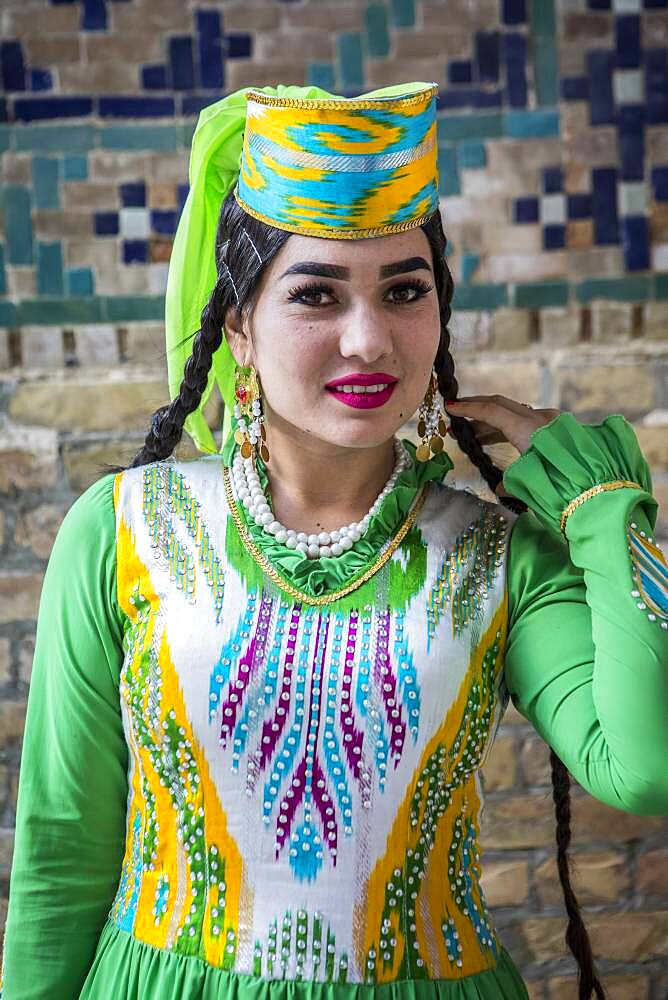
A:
x: 367, y: 334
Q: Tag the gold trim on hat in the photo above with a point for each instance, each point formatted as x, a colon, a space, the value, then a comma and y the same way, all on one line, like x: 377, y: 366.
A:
x: 350, y: 103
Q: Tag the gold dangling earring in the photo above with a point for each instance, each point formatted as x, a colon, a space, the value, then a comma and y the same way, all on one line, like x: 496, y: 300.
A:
x: 431, y: 423
x: 250, y: 434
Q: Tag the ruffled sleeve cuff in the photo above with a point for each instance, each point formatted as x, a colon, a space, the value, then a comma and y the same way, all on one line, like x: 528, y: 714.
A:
x: 566, y: 457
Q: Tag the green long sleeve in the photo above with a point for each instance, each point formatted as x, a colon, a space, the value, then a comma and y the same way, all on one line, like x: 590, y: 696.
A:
x: 70, y: 827
x: 587, y: 659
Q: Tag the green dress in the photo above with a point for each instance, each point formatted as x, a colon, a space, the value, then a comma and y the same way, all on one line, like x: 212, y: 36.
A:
x: 230, y: 790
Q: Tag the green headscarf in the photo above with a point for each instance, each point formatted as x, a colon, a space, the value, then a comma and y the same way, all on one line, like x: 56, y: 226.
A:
x: 215, y: 163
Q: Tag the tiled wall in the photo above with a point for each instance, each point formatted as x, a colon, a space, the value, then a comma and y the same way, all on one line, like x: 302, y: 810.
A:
x: 553, y: 132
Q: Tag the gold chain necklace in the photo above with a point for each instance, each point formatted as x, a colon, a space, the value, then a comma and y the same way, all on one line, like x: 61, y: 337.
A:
x: 287, y: 587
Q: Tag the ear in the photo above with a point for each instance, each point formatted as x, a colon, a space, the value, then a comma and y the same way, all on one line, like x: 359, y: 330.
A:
x: 237, y: 337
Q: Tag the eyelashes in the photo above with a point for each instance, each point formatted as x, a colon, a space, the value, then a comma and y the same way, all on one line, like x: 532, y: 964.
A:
x: 313, y: 288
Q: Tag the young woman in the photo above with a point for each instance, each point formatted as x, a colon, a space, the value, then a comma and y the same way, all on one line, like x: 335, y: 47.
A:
x: 265, y: 681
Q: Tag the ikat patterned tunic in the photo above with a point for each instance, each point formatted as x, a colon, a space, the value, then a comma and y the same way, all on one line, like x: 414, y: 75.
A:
x: 276, y: 796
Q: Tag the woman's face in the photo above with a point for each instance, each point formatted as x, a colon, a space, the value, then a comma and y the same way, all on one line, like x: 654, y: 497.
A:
x: 352, y: 314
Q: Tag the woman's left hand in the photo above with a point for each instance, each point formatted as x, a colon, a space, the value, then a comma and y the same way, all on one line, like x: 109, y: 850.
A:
x: 496, y: 419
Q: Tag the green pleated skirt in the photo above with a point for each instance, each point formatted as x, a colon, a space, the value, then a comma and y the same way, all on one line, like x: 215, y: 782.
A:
x: 127, y: 969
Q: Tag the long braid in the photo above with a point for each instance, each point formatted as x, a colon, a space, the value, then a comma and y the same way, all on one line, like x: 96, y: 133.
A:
x: 576, y: 936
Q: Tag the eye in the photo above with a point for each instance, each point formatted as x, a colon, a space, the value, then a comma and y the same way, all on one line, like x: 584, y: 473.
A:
x: 310, y: 294
x: 410, y: 291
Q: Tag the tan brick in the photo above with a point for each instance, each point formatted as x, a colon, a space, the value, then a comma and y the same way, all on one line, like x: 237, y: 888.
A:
x: 19, y: 596
x: 79, y: 195
x: 505, y: 883
x: 658, y: 222
x: 447, y: 42
x: 26, y: 657
x: 162, y: 196
x: 501, y: 238
x: 98, y: 254
x: 42, y: 347
x: 510, y: 329
x: 36, y: 529
x: 108, y: 167
x: 535, y: 760
x: 579, y: 234
x: 577, y: 178
x: 631, y: 987
x: 99, y: 77
x: 581, y: 27
x: 500, y: 767
x: 524, y: 267
x: 16, y: 168
x: 28, y: 458
x: 297, y: 45
x: 3, y: 520
x: 253, y: 17
x: 53, y: 51
x: 593, y: 391
x: 594, y: 821
x: 611, y: 322
x: 656, y: 321
x: 6, y: 851
x: 133, y: 46
x: 482, y: 14
x: 5, y: 663
x: 511, y: 156
x: 145, y: 344
x: 12, y: 720
x: 85, y: 464
x: 594, y: 147
x: 388, y: 72
x: 629, y: 937
x: 470, y: 331
x: 123, y: 280
x: 559, y: 327
x: 96, y: 345
x: 520, y: 380
x: 21, y: 282
x: 325, y: 17
x: 596, y: 878
x: 57, y: 225
x: 153, y: 20
x: 599, y: 262
x: 248, y: 73
x: 652, y: 873
x: 53, y: 20
x: 544, y: 937
x: 517, y: 821
x: 653, y: 443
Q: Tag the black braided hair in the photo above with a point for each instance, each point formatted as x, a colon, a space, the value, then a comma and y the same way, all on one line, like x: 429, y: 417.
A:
x: 239, y: 271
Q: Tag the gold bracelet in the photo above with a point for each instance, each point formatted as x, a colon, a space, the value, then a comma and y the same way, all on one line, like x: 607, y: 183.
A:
x: 616, y: 485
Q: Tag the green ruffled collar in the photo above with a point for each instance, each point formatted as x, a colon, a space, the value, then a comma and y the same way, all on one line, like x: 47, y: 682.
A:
x: 322, y: 576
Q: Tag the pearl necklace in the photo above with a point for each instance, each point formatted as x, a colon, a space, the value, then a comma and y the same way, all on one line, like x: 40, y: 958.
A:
x: 248, y: 490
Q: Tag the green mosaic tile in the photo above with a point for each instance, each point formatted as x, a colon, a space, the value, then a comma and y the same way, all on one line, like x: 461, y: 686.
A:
x: 546, y: 71
x: 542, y: 18
x: 661, y: 286
x: 470, y: 264
x: 454, y: 128
x: 349, y: 57
x: 377, y: 36
x: 45, y: 181
x: 472, y: 155
x: 9, y: 315
x: 321, y: 75
x: 53, y: 138
x: 540, y: 294
x: 3, y: 279
x: 476, y: 297
x: 162, y: 138
x: 185, y: 133
x: 50, y: 312
x: 79, y: 281
x: 531, y: 124
x: 615, y: 289
x: 5, y: 137
x: 75, y: 168
x: 50, y: 269
x: 18, y: 224
x: 129, y: 308
x: 403, y: 13
x: 448, y: 174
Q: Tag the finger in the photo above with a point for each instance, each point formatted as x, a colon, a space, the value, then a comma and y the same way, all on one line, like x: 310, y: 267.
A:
x: 475, y: 401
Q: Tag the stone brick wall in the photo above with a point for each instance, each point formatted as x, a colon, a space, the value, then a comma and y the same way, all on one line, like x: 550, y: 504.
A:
x: 553, y: 139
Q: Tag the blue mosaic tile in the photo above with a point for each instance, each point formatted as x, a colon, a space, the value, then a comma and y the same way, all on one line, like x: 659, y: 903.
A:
x: 3, y: 281
x: 579, y: 206
x: 41, y: 79
x: 106, y: 223
x: 627, y: 41
x: 94, y: 15
x: 631, y: 141
x: 456, y: 99
x: 320, y: 74
x: 513, y: 11
x: 635, y: 242
x: 181, y: 63
x: 181, y: 196
x: 656, y: 86
x: 485, y: 99
x: 460, y: 71
x: 349, y: 52
x: 575, y: 88
x: 554, y: 237
x: 18, y: 224
x: 79, y: 282
x: 472, y: 155
x: 136, y: 107
x: 525, y: 210
x: 29, y: 109
x: 601, y: 104
x: 154, y: 77
x: 604, y: 205
x: 660, y: 183
x: 599, y: 4
x: 553, y: 180
x: 448, y: 173
x: 192, y: 104
x: 133, y: 194
x: 514, y: 51
x: 164, y: 221
x: 403, y: 13
x: 12, y: 66
x: 655, y: 4
x: 45, y: 182
x: 135, y: 251
x: 75, y: 168
x: 210, y: 46
x: 50, y: 269
x: 4, y: 116
x: 531, y: 124
x: 239, y: 45
x: 486, y: 48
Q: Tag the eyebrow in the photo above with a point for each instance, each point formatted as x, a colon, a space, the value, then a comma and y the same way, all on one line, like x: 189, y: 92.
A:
x: 322, y: 270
